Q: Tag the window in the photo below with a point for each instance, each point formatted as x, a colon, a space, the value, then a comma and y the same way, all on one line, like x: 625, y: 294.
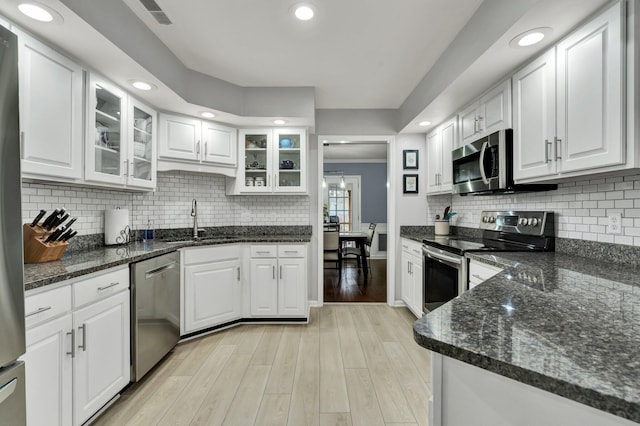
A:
x: 341, y: 205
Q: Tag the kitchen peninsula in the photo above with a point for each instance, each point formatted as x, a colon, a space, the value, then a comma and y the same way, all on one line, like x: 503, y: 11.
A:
x: 553, y: 339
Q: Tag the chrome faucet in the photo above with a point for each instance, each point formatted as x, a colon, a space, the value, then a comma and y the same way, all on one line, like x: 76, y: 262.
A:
x: 194, y: 214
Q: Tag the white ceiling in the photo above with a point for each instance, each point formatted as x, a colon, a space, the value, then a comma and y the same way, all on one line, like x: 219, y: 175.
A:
x: 356, y: 53
x: 370, y: 61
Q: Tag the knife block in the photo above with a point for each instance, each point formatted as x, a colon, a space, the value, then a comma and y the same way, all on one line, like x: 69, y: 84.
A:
x: 36, y: 250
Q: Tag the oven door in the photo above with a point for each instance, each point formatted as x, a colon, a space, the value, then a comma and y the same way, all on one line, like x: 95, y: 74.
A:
x: 481, y: 165
x: 444, y: 277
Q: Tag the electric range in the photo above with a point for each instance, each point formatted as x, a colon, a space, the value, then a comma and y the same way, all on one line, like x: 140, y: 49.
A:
x: 445, y: 267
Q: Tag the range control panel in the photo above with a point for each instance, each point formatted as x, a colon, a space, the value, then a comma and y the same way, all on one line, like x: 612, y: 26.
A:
x: 520, y: 222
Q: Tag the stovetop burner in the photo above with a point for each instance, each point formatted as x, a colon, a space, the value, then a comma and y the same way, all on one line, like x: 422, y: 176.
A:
x: 504, y: 231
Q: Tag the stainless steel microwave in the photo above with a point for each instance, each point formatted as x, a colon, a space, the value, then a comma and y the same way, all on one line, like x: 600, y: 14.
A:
x: 485, y: 166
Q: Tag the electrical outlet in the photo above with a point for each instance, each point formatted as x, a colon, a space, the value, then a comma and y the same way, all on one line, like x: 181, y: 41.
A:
x: 615, y: 223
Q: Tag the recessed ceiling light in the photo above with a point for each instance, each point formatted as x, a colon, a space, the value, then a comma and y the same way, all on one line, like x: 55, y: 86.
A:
x: 142, y: 85
x: 279, y: 122
x: 207, y: 114
x: 530, y: 38
x: 424, y: 123
x: 303, y: 11
x: 39, y: 12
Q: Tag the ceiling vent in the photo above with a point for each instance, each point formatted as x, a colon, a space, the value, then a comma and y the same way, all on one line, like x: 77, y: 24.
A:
x: 155, y: 11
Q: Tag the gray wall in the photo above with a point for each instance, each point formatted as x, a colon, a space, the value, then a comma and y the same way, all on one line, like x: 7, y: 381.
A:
x: 373, y: 201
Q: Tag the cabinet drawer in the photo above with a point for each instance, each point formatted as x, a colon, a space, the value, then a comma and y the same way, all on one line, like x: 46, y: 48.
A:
x: 46, y: 305
x: 264, y: 251
x: 210, y: 254
x: 100, y: 286
x: 292, y: 251
x: 412, y: 247
x: 479, y: 272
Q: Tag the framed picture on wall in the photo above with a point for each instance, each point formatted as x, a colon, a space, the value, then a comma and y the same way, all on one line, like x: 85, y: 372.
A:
x: 409, y: 184
x: 410, y: 159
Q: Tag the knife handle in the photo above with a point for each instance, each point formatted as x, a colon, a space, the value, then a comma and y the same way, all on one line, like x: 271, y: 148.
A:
x: 38, y: 217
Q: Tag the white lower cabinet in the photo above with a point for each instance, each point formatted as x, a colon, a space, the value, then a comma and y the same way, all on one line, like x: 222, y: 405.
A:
x: 479, y: 272
x: 78, y: 355
x: 412, y: 276
x: 49, y: 378
x: 102, y: 362
x: 212, y: 287
x: 279, y: 281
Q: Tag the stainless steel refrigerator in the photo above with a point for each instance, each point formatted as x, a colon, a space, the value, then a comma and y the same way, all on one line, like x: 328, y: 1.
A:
x: 12, y: 331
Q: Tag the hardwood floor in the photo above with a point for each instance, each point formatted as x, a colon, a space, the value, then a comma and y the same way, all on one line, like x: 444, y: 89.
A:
x: 353, y: 287
x: 353, y: 364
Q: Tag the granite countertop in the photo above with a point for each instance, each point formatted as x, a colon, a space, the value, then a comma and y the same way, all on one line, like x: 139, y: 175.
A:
x: 565, y: 324
x: 85, y: 262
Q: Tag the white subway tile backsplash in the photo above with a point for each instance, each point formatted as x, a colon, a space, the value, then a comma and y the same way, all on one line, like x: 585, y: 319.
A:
x: 581, y: 207
x: 169, y: 206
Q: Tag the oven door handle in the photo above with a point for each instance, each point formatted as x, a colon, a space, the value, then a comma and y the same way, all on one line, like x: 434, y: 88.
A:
x: 442, y: 257
x: 481, y: 165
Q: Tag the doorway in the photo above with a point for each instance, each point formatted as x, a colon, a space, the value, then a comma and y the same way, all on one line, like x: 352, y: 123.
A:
x: 356, y: 189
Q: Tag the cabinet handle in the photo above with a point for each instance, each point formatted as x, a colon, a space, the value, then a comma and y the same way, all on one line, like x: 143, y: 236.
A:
x: 480, y: 118
x: 546, y: 151
x: 198, y: 147
x: 558, y: 148
x: 205, y: 150
x: 416, y: 251
x: 274, y: 272
x: 280, y: 271
x: 84, y: 338
x: 72, y: 333
x: 22, y: 145
x: 475, y: 125
x: 108, y: 286
x: 38, y: 311
x: 126, y: 168
x: 262, y: 252
x: 238, y: 273
x: 268, y: 176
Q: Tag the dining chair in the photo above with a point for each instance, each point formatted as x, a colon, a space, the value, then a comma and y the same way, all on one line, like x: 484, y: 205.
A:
x: 334, y: 223
x: 332, y: 252
x: 355, y: 251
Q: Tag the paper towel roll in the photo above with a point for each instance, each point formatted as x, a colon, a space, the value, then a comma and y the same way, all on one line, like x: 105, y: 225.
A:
x: 115, y: 223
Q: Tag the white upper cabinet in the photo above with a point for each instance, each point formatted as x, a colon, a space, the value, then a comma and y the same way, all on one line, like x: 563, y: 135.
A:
x: 219, y: 144
x: 271, y: 161
x: 590, y: 94
x: 189, y: 144
x: 440, y: 143
x: 106, y: 132
x: 492, y: 112
x: 568, y: 104
x: 534, y: 117
x: 141, y: 131
x: 51, y: 103
x: 120, y: 141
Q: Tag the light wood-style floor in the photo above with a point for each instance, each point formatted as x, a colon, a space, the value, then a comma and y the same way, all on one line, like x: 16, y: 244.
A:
x: 353, y: 364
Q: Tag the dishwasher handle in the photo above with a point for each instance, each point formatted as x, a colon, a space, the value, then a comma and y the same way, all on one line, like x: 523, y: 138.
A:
x: 157, y: 271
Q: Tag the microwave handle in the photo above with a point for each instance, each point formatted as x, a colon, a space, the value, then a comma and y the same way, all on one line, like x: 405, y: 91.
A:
x: 482, y: 173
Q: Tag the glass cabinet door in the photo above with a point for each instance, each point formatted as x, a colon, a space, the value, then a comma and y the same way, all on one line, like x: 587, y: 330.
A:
x: 290, y: 159
x: 257, y: 146
x: 106, y: 154
x: 141, y: 162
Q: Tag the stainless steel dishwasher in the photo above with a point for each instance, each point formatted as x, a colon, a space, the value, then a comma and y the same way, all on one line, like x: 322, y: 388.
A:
x: 155, y: 311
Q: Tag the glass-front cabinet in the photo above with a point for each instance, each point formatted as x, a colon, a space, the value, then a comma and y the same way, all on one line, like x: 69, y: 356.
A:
x: 290, y: 158
x: 142, y: 149
x: 272, y: 160
x: 105, y: 158
x: 120, y: 138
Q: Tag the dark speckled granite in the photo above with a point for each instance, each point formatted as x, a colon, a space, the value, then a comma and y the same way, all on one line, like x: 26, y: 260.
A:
x: 79, y: 263
x: 562, y: 323
x: 419, y: 233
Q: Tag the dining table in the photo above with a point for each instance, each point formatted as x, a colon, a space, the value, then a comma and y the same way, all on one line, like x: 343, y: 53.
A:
x: 360, y: 240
